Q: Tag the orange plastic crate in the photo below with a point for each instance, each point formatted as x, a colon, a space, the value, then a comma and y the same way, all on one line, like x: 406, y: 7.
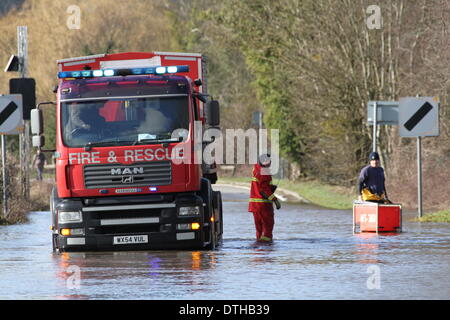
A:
x: 375, y: 217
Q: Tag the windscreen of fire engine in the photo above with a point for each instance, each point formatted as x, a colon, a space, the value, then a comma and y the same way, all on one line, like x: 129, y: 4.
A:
x: 124, y: 121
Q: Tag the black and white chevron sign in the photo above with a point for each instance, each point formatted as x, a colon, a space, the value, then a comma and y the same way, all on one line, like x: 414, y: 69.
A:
x: 11, y: 114
x: 419, y: 116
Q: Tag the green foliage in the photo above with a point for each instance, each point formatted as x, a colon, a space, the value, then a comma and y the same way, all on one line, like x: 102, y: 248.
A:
x: 196, y: 27
x: 314, y: 66
x: 136, y: 25
x: 317, y: 193
x: 310, y: 66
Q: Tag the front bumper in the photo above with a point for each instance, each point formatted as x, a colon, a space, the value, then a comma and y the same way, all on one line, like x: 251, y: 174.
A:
x: 155, y: 222
x: 106, y: 242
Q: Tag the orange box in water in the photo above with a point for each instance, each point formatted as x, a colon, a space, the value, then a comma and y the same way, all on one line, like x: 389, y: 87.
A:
x: 376, y: 217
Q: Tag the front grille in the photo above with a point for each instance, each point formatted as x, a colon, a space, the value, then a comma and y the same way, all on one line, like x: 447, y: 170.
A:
x: 117, y: 220
x: 128, y: 229
x: 133, y: 213
x: 157, y: 173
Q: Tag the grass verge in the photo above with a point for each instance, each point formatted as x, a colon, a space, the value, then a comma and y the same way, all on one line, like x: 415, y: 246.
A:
x: 332, y: 197
x: 19, y: 207
x: 439, y: 216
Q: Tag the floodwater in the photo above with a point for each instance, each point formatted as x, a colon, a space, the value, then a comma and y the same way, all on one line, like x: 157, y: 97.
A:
x: 314, y: 256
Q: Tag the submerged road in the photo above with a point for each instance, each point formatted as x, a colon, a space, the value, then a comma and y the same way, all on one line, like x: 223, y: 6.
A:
x: 314, y: 256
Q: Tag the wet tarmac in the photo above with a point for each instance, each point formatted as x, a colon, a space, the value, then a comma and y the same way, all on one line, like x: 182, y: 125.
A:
x: 314, y: 255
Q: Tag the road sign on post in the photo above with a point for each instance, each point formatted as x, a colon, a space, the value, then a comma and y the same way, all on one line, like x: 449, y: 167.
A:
x: 387, y: 112
x: 11, y: 121
x: 419, y: 117
x: 257, y: 119
x: 27, y: 88
x: 379, y: 113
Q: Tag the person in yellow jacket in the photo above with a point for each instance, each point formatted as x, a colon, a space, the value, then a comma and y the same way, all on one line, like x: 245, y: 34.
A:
x: 371, y: 184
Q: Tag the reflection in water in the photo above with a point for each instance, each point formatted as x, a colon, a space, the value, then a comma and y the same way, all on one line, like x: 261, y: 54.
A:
x: 70, y: 276
x: 366, y: 250
x: 261, y: 253
x: 196, y: 260
x: 154, y: 269
x: 314, y: 256
x: 154, y: 266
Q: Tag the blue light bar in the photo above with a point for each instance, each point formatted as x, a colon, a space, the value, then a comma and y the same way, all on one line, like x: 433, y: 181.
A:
x: 172, y: 69
x: 97, y: 73
x: 112, y: 72
x: 160, y: 70
x: 108, y: 72
x: 137, y: 71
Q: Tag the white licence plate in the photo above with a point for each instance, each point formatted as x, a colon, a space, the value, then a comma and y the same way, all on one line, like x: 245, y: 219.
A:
x: 130, y: 239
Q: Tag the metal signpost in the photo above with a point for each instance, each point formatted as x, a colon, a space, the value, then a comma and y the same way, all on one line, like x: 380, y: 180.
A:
x: 419, y: 117
x: 24, y: 138
x: 374, y: 121
x: 5, y: 180
x: 257, y: 119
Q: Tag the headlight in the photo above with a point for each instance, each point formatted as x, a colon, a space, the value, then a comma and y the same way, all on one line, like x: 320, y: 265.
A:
x: 69, y: 216
x: 188, y: 226
x: 72, y: 232
x: 189, y: 211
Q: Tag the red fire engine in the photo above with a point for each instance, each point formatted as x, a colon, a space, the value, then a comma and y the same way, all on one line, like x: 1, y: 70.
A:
x: 128, y: 174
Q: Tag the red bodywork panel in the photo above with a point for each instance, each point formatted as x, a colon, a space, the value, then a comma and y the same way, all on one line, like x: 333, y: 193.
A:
x: 71, y: 161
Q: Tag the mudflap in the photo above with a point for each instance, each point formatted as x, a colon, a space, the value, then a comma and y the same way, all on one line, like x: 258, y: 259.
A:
x: 53, y: 202
x: 218, y: 215
x: 206, y: 193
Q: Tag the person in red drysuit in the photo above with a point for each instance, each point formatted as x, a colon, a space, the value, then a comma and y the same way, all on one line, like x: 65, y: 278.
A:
x: 261, y: 198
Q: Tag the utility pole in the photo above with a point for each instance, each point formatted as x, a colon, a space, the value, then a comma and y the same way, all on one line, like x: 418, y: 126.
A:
x: 260, y: 134
x: 257, y: 119
x: 375, y: 120
x: 419, y: 174
x: 24, y: 137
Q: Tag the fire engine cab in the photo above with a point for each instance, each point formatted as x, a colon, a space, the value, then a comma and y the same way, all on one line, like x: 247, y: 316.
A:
x: 129, y: 170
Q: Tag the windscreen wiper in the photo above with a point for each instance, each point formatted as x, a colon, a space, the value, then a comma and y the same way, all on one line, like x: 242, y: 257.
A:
x: 158, y: 141
x: 88, y: 146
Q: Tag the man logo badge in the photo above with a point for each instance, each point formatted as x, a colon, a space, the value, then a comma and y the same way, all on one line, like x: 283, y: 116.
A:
x: 127, y: 179
x: 127, y: 171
